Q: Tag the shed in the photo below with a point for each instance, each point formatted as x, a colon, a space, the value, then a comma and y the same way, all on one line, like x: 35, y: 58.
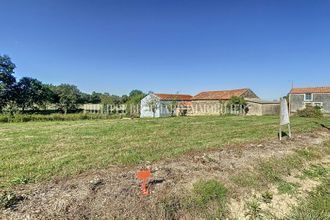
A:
x: 164, y: 105
x: 262, y: 107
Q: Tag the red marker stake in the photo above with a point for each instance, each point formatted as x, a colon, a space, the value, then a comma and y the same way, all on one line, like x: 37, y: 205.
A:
x: 144, y: 175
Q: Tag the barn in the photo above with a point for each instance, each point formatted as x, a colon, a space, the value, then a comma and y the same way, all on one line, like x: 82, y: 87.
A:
x: 164, y: 105
x: 215, y: 102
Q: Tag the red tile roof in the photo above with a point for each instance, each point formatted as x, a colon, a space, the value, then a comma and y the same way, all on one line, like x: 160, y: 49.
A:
x: 171, y: 97
x: 310, y: 90
x: 219, y: 95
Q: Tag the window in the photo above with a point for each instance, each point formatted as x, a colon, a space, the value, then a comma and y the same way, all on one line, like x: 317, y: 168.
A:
x: 308, y: 97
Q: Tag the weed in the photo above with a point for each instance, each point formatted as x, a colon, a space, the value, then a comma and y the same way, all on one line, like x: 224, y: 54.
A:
x: 267, y: 197
x: 254, y: 210
x: 9, y: 200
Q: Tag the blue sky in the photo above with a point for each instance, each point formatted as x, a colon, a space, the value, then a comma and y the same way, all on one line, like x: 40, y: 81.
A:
x: 168, y: 46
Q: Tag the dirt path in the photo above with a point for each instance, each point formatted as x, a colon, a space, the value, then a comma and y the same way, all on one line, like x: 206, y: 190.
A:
x: 115, y: 192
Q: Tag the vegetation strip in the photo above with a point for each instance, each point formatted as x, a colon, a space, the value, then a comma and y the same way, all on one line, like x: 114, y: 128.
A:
x: 42, y: 150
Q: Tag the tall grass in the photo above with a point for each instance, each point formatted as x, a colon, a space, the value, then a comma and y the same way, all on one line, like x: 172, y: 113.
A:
x: 53, y: 117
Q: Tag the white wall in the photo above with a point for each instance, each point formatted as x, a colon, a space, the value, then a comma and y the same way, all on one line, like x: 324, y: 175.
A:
x: 161, y: 111
x: 145, y: 110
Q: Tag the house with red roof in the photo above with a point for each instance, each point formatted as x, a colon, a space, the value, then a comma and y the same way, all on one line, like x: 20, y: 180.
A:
x: 299, y: 98
x: 215, y: 102
x: 164, y: 105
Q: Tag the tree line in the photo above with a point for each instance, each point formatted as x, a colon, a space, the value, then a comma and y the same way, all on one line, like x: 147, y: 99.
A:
x: 29, y: 94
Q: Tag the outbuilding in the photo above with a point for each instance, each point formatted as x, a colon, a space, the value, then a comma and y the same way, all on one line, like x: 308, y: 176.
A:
x: 262, y: 107
x: 164, y: 105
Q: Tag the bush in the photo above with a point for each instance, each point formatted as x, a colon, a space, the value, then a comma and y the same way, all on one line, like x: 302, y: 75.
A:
x: 310, y: 112
x: 4, y: 118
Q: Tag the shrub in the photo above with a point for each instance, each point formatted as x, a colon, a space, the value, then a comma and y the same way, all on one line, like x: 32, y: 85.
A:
x: 4, y: 118
x: 310, y: 112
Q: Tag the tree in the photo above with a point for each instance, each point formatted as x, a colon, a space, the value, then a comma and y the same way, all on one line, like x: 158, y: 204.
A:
x: 107, y: 99
x: 136, y: 92
x: 124, y: 98
x: 95, y: 98
x: 7, y: 81
x: 31, y: 92
x: 135, y: 97
x: 52, y: 97
x: 235, y: 100
x: 68, y: 97
x: 133, y: 102
x: 239, y: 102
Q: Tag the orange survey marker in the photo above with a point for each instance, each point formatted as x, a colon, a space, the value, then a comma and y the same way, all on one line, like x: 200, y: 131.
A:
x: 144, y: 175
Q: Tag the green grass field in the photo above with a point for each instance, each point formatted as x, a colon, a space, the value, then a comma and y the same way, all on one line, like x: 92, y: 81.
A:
x: 36, y: 151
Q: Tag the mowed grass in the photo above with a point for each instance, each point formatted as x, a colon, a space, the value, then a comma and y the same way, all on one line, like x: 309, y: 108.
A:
x: 36, y: 151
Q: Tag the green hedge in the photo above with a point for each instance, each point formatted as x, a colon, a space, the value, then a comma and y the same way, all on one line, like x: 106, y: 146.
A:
x: 53, y: 117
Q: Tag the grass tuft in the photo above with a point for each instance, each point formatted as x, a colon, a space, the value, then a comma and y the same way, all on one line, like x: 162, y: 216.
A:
x: 286, y: 187
x: 207, y: 194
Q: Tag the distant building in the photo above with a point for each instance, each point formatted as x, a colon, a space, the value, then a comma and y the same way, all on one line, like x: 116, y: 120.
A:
x: 164, y: 105
x: 299, y: 98
x: 206, y: 103
x: 262, y: 107
x: 215, y: 102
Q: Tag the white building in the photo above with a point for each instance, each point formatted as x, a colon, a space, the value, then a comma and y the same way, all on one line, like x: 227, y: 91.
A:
x: 164, y: 105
